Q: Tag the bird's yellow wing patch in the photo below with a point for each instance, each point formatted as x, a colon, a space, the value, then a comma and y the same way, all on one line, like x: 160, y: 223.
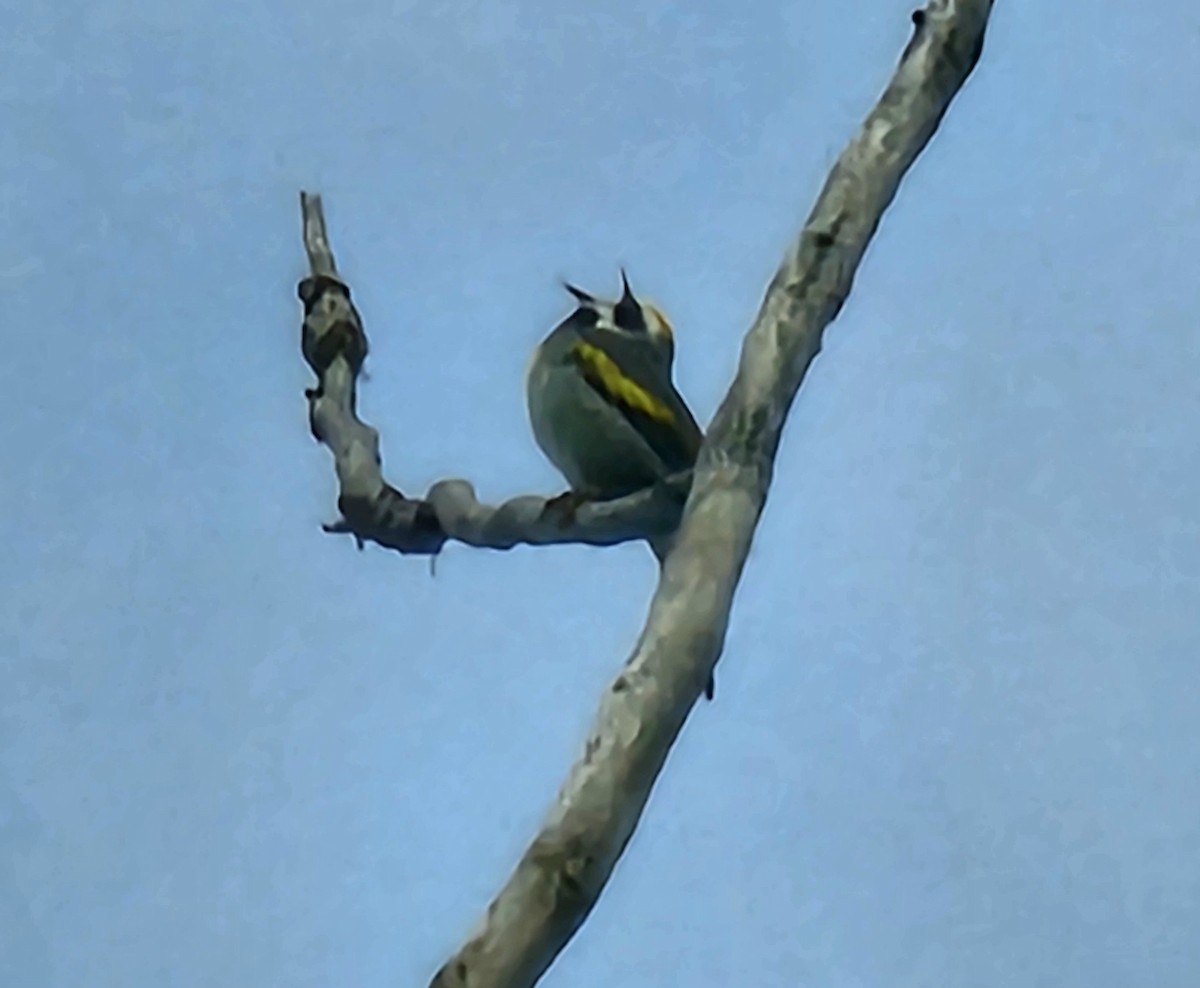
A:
x: 607, y: 377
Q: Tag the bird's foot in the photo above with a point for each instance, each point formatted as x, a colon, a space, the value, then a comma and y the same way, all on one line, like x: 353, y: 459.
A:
x: 562, y: 509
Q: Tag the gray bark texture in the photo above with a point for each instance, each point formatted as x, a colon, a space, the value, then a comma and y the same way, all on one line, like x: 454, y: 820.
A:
x: 561, y: 875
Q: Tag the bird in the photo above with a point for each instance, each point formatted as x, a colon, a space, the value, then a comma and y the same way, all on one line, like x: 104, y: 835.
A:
x: 602, y: 401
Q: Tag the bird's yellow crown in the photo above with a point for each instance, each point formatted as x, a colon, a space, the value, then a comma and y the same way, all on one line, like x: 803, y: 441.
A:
x: 657, y: 324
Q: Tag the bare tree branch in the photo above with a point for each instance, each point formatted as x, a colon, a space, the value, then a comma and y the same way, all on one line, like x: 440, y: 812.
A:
x: 561, y: 875
x: 335, y: 346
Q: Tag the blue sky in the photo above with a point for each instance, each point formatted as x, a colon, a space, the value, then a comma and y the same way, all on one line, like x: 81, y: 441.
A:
x: 955, y: 734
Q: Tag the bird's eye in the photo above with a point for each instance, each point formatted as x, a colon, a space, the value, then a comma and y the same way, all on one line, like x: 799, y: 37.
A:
x: 585, y: 316
x: 628, y: 315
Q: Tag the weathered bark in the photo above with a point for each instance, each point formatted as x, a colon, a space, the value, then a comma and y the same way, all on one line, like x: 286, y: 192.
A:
x: 561, y: 875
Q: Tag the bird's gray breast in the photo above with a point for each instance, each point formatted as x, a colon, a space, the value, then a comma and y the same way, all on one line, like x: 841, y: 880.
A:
x: 589, y: 442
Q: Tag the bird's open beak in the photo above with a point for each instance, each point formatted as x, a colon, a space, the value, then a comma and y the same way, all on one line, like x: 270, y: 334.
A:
x: 580, y: 295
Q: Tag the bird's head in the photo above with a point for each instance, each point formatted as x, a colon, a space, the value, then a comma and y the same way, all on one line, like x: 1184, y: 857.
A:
x: 630, y: 315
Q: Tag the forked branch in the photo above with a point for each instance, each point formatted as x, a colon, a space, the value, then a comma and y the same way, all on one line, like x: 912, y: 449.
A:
x: 560, y: 877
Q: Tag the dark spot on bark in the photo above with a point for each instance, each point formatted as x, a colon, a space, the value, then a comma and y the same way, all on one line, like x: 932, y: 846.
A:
x: 750, y: 429
x: 312, y: 288
x: 976, y: 51
x: 571, y: 874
